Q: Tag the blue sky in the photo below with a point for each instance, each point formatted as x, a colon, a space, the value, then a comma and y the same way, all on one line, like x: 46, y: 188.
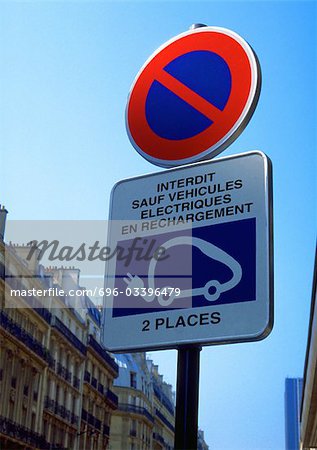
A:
x: 66, y: 70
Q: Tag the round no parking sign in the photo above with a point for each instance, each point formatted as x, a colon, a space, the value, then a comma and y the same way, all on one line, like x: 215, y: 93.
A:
x: 193, y: 97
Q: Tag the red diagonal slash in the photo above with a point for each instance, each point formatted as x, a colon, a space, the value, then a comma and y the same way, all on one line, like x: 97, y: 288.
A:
x: 189, y: 96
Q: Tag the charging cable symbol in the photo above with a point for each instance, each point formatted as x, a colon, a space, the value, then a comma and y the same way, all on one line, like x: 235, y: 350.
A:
x: 212, y: 289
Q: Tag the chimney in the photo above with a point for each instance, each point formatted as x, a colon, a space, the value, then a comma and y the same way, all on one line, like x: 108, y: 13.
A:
x: 3, y: 217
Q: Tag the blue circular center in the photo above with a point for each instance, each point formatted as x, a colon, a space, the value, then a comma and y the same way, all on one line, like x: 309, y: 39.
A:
x: 206, y: 74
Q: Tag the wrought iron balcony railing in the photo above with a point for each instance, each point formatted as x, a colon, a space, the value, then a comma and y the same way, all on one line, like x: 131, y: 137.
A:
x: 74, y: 418
x: 103, y: 353
x: 84, y: 415
x: 112, y: 398
x: 58, y: 324
x: 51, y: 362
x: 158, y: 437
x: 60, y: 410
x: 20, y: 433
x: 87, y: 376
x: 68, y: 376
x: 94, y: 382
x: 76, y: 382
x: 164, y: 420
x: 91, y: 419
x: 15, y: 282
x: 22, y: 335
x: 136, y: 410
x: 97, y: 423
x: 106, y: 430
x: 158, y: 392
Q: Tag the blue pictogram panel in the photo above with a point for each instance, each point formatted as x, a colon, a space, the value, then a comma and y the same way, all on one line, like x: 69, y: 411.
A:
x: 211, y: 265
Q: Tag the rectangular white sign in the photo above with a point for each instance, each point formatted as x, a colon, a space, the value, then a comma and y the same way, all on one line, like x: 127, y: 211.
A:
x: 192, y: 256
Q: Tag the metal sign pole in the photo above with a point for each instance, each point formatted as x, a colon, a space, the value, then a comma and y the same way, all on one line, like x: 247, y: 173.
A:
x: 187, y: 392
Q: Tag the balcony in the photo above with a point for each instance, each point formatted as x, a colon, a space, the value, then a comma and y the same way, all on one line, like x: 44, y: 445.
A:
x: 159, y: 438
x: 94, y: 382
x: 49, y: 404
x: 61, y: 370
x: 74, y: 419
x: 21, y: 433
x: 22, y: 335
x: 60, y: 410
x: 58, y: 324
x: 106, y: 430
x: 87, y: 376
x: 15, y: 283
x: 68, y: 376
x: 43, y: 312
x: 76, y: 382
x: 51, y: 362
x: 163, y: 398
x: 136, y: 410
x: 148, y: 415
x: 164, y: 420
x: 112, y: 398
x: 90, y: 419
x: 84, y: 415
x: 103, y: 353
x: 97, y: 424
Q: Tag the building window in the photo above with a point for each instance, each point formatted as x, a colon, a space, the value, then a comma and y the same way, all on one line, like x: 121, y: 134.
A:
x: 33, y: 422
x: 133, y: 429
x: 70, y: 440
x: 57, y: 393
x: 24, y: 416
x: 45, y: 428
x: 30, y: 328
x: 13, y: 382
x: 40, y: 336
x: 74, y: 405
x: 53, y: 434
x: 11, y: 409
x: 133, y: 379
x: 26, y: 390
x: 107, y: 418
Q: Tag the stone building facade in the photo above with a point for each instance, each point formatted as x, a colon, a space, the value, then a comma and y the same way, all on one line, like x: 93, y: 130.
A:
x: 56, y: 379
x: 163, y: 410
x: 144, y: 419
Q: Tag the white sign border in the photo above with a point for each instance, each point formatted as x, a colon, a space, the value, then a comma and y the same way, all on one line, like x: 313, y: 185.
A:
x: 108, y: 321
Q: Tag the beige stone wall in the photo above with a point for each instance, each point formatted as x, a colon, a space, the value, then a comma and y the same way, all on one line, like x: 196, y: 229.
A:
x: 43, y: 360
